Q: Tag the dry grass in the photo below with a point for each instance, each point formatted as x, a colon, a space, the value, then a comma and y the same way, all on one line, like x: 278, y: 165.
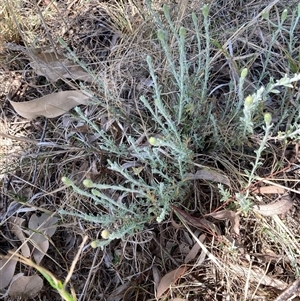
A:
x: 113, y: 39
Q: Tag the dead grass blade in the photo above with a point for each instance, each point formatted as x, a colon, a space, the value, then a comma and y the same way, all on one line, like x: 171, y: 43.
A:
x: 50, y: 106
x: 257, y: 275
x: 275, y: 208
x: 170, y: 278
x: 291, y: 290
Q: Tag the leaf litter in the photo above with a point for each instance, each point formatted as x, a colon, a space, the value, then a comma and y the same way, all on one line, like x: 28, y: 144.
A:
x: 169, y: 279
x: 41, y: 228
x: 15, y: 224
x: 25, y: 286
x: 51, y: 105
x: 55, y: 66
x: 7, y: 270
x: 282, y: 206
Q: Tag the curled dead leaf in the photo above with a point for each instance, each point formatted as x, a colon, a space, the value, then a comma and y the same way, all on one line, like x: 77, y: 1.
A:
x: 170, y: 278
x: 194, y: 250
x: 15, y: 224
x: 25, y: 286
x: 41, y: 227
x: 275, y: 208
x: 232, y: 216
x: 50, y: 106
x: 210, y: 175
x: 55, y: 66
x: 269, y: 190
x: 7, y: 270
x: 199, y: 223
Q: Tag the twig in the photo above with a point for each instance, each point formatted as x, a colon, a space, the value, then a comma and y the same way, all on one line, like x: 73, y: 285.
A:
x: 292, y: 289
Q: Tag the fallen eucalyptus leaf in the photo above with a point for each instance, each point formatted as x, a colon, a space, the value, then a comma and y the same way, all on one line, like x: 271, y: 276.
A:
x: 210, y: 175
x: 232, y: 216
x: 25, y: 286
x: 269, y: 189
x: 40, y: 229
x: 53, y: 281
x: 199, y: 223
x: 55, y: 66
x: 15, y: 224
x: 275, y: 208
x: 194, y: 250
x: 51, y: 105
x: 169, y: 279
x: 156, y: 276
x: 7, y: 270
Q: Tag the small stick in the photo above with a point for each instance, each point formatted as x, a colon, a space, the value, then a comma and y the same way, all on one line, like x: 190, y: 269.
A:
x: 287, y: 293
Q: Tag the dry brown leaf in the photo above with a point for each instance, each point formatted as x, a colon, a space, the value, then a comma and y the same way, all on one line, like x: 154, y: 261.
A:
x: 178, y: 299
x: 195, y: 249
x: 275, y: 208
x: 55, y: 66
x: 41, y: 227
x: 156, y: 277
x: 210, y: 175
x: 119, y: 292
x: 7, y: 270
x: 257, y: 275
x: 269, y: 190
x: 232, y: 216
x: 51, y: 105
x: 25, y: 286
x: 169, y: 279
x: 199, y: 223
x: 15, y: 224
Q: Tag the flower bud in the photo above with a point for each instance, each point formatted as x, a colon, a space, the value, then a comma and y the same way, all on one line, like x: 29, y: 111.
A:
x: 88, y: 183
x: 268, y: 118
x: 248, y: 101
x: 244, y: 73
x: 153, y: 141
x: 160, y: 35
x: 284, y: 15
x: 66, y: 181
x: 205, y: 10
x: 105, y: 234
x: 94, y: 244
x: 182, y: 32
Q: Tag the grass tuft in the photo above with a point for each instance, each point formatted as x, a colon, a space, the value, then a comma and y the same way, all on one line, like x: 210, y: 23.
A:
x: 183, y: 117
